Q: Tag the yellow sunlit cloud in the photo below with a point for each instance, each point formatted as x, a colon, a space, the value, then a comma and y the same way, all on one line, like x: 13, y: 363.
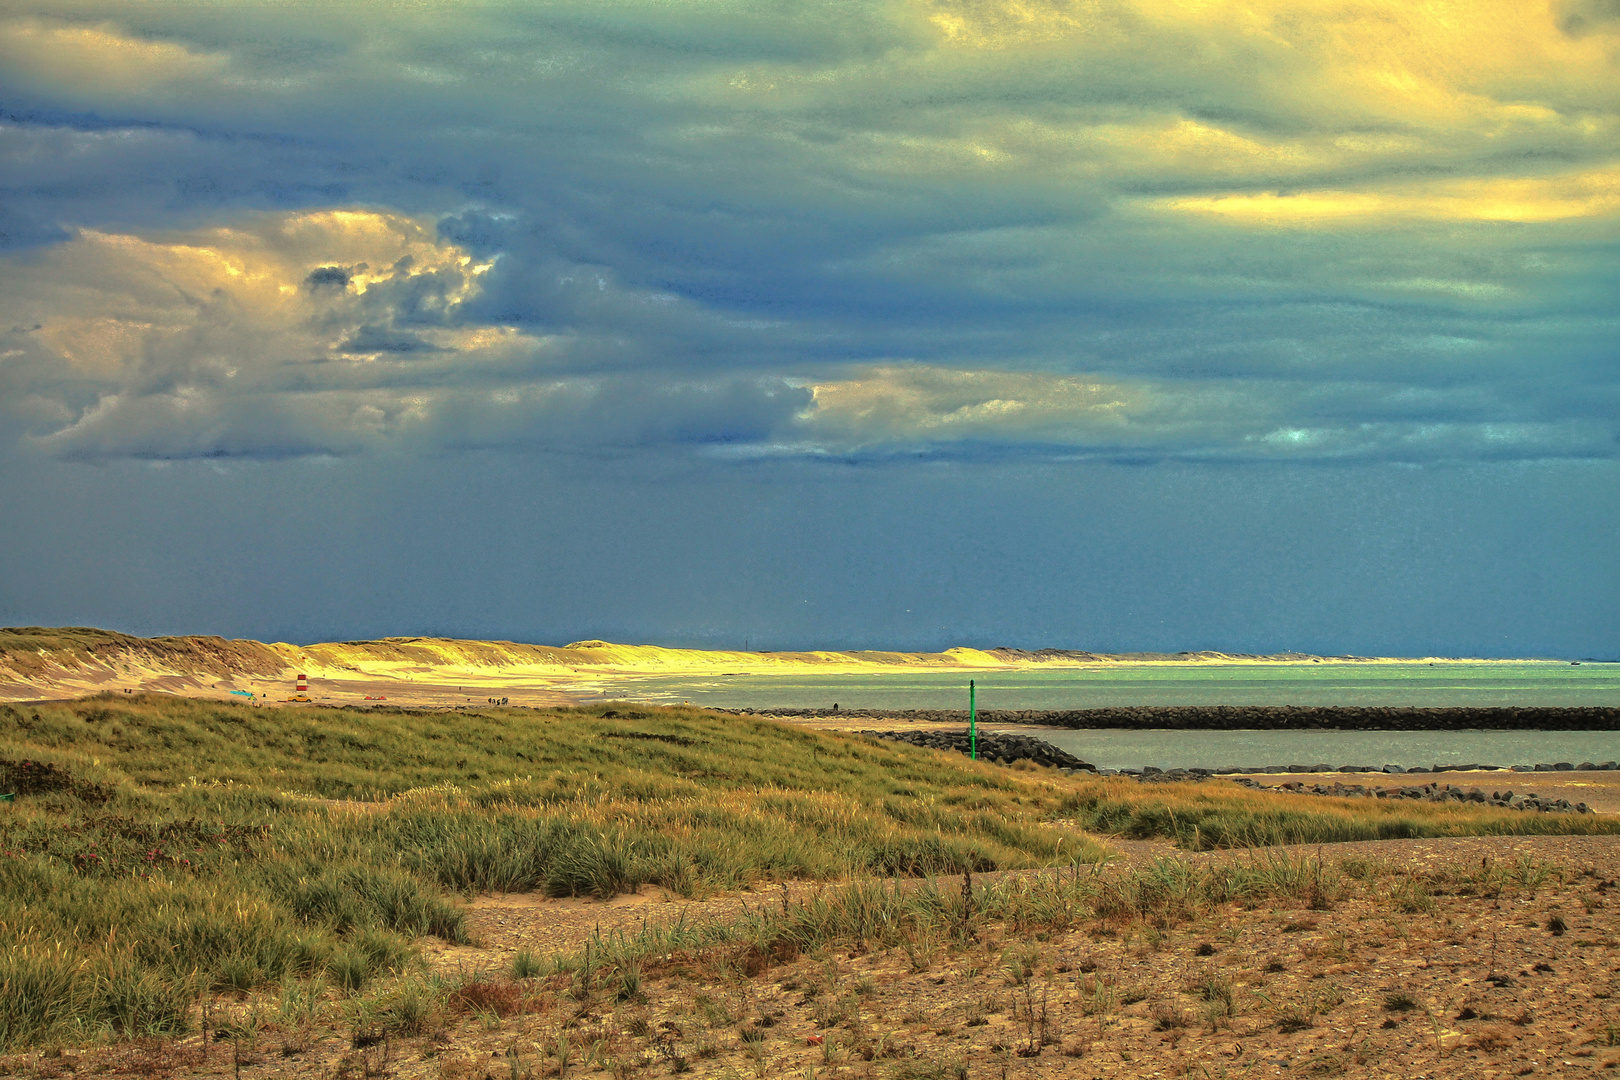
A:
x: 99, y: 58
x: 921, y: 401
x: 104, y: 300
x: 1006, y: 24
x: 1527, y: 200
x: 1424, y: 55
x: 1386, y: 81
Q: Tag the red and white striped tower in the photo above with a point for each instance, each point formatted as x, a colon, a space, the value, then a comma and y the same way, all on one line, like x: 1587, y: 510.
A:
x: 303, y: 683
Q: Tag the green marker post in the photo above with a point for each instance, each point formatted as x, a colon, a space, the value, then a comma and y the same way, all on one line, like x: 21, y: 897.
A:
x: 973, y: 721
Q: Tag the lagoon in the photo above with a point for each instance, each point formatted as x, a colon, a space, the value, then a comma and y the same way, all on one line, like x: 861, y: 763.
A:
x: 1417, y: 684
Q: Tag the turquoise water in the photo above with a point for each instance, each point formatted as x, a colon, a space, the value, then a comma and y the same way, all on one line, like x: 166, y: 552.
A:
x: 1415, y: 684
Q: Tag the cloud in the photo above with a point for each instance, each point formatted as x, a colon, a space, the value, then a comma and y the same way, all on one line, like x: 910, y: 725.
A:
x: 329, y: 333
x: 92, y: 61
x: 820, y: 322
x: 911, y: 410
x: 1300, y: 230
x: 922, y: 404
x: 1594, y: 194
x: 345, y: 332
x: 329, y: 277
x: 1581, y: 17
x: 204, y: 343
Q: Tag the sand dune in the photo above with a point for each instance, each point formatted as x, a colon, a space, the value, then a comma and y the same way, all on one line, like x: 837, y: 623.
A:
x: 39, y: 663
x: 50, y: 663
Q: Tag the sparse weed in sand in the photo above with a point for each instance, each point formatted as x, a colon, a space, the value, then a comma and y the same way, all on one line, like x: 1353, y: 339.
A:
x: 1019, y: 963
x: 1218, y: 994
x: 525, y: 965
x: 955, y: 1069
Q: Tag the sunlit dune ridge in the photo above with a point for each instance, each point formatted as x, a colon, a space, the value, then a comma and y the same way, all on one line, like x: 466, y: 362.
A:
x: 407, y: 658
x: 38, y: 662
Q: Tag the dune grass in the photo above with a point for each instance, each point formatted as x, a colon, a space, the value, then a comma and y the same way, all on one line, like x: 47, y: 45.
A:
x: 1203, y: 817
x: 927, y: 917
x: 163, y: 848
x: 940, y: 912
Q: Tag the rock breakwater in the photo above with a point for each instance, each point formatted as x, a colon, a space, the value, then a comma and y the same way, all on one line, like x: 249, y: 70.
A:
x: 1000, y: 747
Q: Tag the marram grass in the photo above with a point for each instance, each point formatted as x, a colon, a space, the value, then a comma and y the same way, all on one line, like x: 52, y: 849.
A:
x: 179, y: 847
x: 193, y: 846
x: 1202, y: 817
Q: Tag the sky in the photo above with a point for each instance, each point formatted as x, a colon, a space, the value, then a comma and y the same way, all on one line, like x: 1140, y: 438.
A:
x: 1101, y: 324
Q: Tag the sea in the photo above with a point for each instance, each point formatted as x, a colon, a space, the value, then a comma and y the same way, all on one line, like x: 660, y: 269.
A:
x: 1383, y: 684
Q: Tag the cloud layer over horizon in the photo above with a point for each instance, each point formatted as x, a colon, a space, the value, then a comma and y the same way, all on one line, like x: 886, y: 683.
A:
x: 887, y: 234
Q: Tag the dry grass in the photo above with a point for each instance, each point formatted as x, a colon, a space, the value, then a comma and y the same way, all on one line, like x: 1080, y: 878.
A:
x: 163, y: 855
x: 1207, y: 816
x: 182, y: 850
x: 1031, y: 979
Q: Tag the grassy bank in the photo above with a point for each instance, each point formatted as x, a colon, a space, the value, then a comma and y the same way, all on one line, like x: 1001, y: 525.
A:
x: 1204, y: 817
x: 161, y: 849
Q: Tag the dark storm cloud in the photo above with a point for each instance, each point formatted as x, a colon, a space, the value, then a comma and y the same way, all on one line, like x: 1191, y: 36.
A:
x: 1582, y: 16
x: 328, y: 277
x: 377, y: 339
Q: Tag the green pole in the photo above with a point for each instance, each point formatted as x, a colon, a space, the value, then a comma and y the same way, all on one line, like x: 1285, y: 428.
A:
x: 973, y: 721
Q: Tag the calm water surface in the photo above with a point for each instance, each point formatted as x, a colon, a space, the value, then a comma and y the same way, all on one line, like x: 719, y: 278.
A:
x: 1083, y: 688
x: 1416, y: 684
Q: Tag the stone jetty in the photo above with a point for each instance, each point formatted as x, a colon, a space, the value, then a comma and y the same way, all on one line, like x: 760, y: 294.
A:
x: 1001, y: 747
